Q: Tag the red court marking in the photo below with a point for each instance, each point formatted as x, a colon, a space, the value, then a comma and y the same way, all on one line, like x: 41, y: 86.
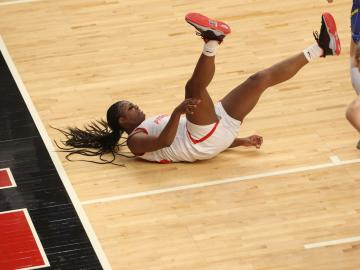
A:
x: 5, y: 180
x: 18, y: 246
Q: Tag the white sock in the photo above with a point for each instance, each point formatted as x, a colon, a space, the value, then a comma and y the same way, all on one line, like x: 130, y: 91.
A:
x: 312, y: 52
x: 210, y: 48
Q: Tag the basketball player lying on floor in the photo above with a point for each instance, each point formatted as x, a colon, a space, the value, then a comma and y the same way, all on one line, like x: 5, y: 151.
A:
x: 207, y: 129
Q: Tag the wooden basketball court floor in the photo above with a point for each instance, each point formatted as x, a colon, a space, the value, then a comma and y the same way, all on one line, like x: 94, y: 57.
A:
x: 293, y: 204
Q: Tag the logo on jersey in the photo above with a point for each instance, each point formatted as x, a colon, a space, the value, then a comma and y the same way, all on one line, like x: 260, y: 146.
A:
x: 158, y: 119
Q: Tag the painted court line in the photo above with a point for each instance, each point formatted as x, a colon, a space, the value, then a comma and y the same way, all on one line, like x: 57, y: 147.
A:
x: 69, y: 188
x: 335, y: 159
x: 11, y: 178
x: 221, y: 182
x: 36, y: 238
x: 332, y: 242
x: 17, y: 2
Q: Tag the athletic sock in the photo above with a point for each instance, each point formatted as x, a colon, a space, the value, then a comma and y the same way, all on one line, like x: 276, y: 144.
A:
x: 312, y: 52
x: 210, y: 48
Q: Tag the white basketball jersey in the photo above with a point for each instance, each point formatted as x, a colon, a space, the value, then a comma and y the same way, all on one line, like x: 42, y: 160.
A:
x: 179, y: 150
x: 192, y: 142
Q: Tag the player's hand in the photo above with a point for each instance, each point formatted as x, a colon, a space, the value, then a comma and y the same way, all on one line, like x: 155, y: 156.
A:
x: 189, y: 106
x: 253, y: 140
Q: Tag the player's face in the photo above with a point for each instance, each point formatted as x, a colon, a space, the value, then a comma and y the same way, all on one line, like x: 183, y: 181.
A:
x: 130, y: 113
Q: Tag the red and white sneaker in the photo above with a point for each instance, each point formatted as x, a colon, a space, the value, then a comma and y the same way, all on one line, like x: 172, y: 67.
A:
x: 209, y: 29
x: 328, y: 39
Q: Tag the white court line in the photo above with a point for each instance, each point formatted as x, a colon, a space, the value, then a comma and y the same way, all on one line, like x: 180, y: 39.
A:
x: 17, y: 2
x: 64, y: 178
x: 37, y: 240
x: 332, y: 242
x: 335, y: 159
x: 220, y: 182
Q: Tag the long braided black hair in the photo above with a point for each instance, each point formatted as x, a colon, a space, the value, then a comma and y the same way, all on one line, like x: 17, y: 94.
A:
x: 96, y: 139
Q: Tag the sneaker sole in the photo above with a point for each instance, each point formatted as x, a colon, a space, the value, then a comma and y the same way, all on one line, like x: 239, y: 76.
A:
x: 203, y: 24
x: 331, y: 28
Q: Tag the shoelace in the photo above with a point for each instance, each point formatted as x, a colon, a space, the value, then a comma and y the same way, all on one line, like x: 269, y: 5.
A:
x: 205, y: 39
x: 200, y: 35
x: 316, y: 35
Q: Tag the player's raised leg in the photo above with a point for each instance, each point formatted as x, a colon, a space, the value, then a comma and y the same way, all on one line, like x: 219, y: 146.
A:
x: 212, y: 32
x: 241, y: 100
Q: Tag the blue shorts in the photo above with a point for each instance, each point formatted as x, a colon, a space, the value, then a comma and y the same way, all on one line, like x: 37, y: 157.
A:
x: 355, y: 21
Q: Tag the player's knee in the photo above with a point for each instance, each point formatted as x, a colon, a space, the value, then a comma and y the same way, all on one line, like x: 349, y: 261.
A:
x: 353, y: 110
x: 262, y: 77
x: 348, y: 113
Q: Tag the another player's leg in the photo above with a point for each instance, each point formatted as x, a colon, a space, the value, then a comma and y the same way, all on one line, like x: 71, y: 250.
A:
x: 213, y: 33
x: 353, y: 110
x: 241, y: 100
x: 354, y: 47
x: 353, y: 113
